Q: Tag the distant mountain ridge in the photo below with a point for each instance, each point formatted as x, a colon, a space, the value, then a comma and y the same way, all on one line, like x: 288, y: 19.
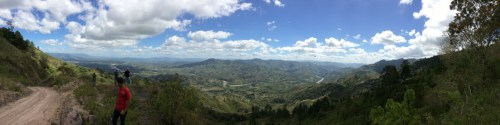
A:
x: 379, y: 66
x: 258, y: 70
x: 80, y: 57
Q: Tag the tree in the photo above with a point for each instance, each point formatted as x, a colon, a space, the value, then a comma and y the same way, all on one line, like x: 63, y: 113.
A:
x: 11, y: 26
x: 405, y: 69
x: 254, y: 115
x: 477, y: 23
x: 476, y: 27
x: 390, y: 75
x: 14, y: 38
x: 394, y: 113
x: 268, y: 109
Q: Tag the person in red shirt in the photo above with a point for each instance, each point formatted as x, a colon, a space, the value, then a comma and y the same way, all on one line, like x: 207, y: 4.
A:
x: 122, y: 102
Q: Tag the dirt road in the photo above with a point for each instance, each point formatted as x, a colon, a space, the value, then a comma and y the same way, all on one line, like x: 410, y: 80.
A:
x: 36, y: 109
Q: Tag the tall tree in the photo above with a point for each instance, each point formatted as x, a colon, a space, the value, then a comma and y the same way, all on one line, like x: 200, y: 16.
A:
x: 476, y: 27
x: 11, y: 26
x: 405, y: 69
x: 390, y: 75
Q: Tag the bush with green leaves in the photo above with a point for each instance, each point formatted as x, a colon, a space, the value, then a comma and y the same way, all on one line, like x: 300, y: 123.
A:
x: 395, y: 113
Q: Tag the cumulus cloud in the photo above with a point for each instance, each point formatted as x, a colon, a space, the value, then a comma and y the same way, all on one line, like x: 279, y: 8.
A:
x: 412, y: 32
x: 438, y: 16
x: 179, y: 46
x: 51, y: 42
x: 112, y: 23
x: 333, y: 42
x: 52, y: 13
x: 309, y: 42
x: 407, y: 2
x: 269, y: 39
x: 208, y: 35
x: 278, y: 3
x: 387, y: 38
x: 422, y: 44
x: 275, y: 2
x: 427, y: 42
x: 357, y: 36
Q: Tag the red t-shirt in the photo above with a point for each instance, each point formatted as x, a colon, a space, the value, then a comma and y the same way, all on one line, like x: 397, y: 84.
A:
x: 123, y: 96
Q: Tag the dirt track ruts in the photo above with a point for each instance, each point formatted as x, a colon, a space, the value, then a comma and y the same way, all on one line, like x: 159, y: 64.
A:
x: 36, y: 109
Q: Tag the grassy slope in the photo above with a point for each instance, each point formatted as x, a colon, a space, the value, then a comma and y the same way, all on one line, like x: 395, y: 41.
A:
x: 20, y: 67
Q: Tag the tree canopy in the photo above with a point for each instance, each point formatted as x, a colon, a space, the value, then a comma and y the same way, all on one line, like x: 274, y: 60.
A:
x: 476, y: 25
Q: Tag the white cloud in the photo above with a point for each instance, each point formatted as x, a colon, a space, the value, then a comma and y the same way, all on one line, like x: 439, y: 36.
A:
x: 407, y: 2
x: 208, y: 35
x: 364, y: 40
x: 26, y: 20
x: 174, y: 41
x: 51, y: 42
x: 427, y: 42
x: 333, y: 42
x: 412, y: 32
x: 271, y: 26
x: 179, y: 46
x: 438, y: 16
x: 357, y: 36
x: 110, y: 23
x: 339, y: 29
x: 387, y: 38
x: 52, y: 13
x: 59, y: 9
x: 5, y: 13
x: 309, y: 42
x: 270, y: 23
x: 269, y: 39
x: 278, y: 3
x: 275, y: 2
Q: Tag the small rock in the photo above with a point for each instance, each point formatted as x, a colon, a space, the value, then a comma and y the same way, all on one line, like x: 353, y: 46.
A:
x: 91, y: 119
x: 72, y: 117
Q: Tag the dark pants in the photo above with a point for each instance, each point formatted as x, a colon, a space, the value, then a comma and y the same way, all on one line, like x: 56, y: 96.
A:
x: 116, y: 113
x: 116, y: 80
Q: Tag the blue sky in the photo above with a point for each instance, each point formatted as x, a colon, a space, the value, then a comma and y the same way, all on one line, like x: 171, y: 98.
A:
x: 360, y: 31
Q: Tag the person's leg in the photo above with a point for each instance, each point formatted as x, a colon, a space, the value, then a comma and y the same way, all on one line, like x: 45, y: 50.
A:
x: 116, y: 113
x: 122, y: 118
x: 126, y: 80
x: 129, y: 81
